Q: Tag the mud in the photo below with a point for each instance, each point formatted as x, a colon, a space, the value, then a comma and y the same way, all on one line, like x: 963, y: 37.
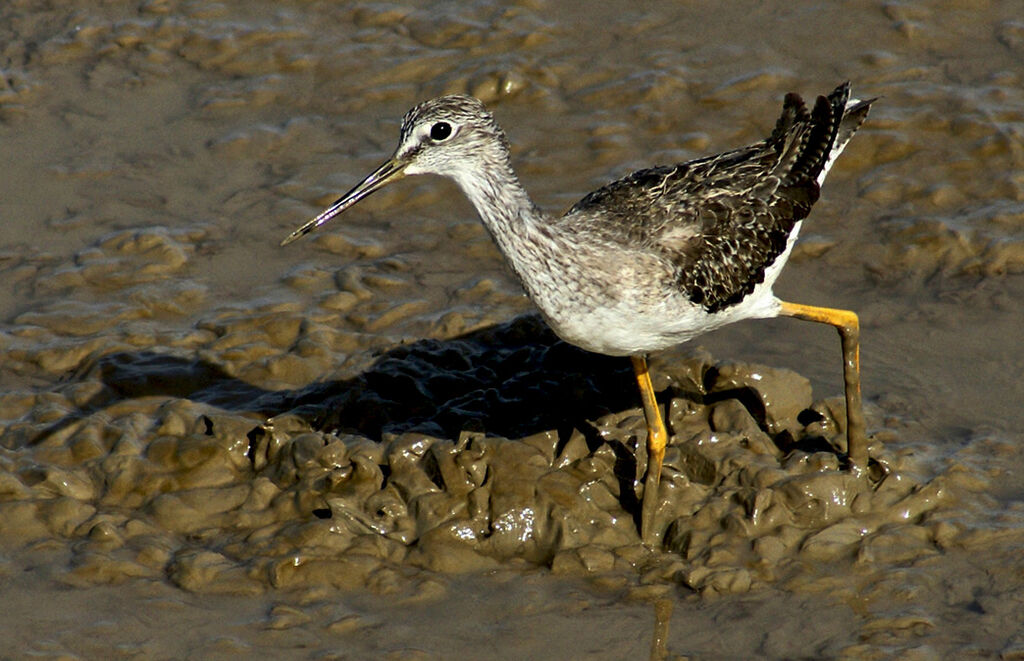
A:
x: 364, y: 446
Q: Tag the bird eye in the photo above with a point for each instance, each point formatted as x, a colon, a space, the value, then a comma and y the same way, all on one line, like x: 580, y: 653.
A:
x: 440, y: 131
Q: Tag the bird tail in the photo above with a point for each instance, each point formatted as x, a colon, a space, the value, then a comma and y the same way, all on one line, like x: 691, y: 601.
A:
x: 854, y: 113
x: 808, y: 142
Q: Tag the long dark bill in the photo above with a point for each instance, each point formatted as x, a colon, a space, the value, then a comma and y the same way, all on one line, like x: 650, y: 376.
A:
x: 391, y: 170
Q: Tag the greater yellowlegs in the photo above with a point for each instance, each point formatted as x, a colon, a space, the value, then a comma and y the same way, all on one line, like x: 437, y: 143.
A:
x: 653, y: 259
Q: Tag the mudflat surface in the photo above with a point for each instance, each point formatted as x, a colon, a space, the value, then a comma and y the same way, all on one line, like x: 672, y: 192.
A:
x: 364, y: 446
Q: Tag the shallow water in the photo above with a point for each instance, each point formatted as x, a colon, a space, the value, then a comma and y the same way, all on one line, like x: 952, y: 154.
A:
x: 345, y: 448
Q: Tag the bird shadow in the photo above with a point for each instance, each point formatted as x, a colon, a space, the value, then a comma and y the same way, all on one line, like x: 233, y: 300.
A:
x: 511, y: 380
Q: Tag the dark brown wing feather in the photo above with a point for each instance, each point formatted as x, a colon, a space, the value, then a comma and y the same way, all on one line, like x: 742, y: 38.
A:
x: 721, y: 221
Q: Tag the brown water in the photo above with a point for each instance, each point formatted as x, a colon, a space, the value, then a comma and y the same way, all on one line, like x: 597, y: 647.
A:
x: 434, y: 485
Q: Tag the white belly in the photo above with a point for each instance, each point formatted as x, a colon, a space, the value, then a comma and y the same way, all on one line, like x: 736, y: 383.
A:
x: 643, y: 323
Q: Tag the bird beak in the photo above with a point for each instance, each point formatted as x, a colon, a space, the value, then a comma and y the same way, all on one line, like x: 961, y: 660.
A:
x: 392, y: 170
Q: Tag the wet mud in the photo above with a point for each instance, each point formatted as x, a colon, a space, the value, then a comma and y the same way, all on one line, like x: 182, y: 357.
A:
x: 366, y: 446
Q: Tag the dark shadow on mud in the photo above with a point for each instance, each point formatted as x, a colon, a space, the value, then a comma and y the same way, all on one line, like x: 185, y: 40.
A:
x: 511, y: 380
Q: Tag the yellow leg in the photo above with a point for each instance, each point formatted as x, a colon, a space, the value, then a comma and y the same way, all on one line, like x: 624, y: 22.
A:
x: 657, y: 438
x: 849, y: 334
